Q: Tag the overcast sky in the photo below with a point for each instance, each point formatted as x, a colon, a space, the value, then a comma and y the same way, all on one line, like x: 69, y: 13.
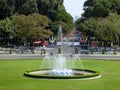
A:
x: 74, y: 7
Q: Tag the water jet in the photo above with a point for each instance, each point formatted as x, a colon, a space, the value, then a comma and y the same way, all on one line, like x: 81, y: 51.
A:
x: 61, y: 66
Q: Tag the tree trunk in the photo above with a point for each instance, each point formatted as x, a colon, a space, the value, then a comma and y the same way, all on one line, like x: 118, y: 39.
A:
x: 119, y: 41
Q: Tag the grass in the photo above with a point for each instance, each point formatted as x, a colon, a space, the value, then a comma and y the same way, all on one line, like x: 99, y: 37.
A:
x: 11, y: 76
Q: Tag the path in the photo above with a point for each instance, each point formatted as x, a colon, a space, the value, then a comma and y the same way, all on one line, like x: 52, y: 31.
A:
x: 38, y: 56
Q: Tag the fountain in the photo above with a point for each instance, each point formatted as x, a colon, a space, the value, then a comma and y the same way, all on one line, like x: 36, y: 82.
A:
x: 60, y: 66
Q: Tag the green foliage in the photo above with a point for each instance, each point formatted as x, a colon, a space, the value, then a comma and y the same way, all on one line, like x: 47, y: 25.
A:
x: 57, y: 15
x: 24, y: 19
x: 106, y: 29
x: 22, y: 52
x: 32, y: 26
x: 103, y: 51
x: 44, y: 51
x: 67, y: 19
x: 25, y: 6
x: 100, y: 8
x: 7, y: 27
x: 33, y: 51
x: 91, y: 51
x: 115, y: 51
x: 59, y: 50
x: 10, y: 51
x: 6, y: 8
x: 76, y: 51
x: 100, y: 19
x: 47, y: 7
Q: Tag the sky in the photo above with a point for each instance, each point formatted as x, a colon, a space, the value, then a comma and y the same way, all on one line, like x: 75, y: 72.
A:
x: 74, y: 7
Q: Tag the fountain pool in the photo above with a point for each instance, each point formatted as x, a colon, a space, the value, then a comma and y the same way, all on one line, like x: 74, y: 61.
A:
x: 58, y: 66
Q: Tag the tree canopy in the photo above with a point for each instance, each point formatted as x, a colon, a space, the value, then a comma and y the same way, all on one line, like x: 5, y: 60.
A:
x: 33, y: 19
x: 101, y: 8
x: 54, y: 10
x: 100, y: 19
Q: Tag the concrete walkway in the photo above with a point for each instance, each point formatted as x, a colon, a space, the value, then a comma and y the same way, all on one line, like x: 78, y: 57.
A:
x: 38, y: 56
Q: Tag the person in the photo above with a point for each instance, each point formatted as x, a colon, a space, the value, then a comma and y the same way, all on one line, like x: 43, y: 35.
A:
x: 81, y: 40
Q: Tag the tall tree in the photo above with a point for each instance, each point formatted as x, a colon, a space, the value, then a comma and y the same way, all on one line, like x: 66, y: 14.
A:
x: 108, y: 28
x: 56, y: 13
x: 6, y: 8
x: 7, y: 29
x: 32, y: 27
x: 96, y: 8
x: 100, y: 8
x: 26, y: 6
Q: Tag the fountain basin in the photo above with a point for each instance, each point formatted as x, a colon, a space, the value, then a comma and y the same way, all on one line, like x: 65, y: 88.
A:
x: 61, y: 72
x: 71, y: 74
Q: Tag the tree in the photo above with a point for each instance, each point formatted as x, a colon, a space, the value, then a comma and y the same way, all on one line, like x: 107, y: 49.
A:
x: 6, y: 8
x: 10, y: 7
x: 8, y: 30
x: 57, y: 14
x: 94, y: 8
x: 26, y: 7
x: 101, y: 8
x: 67, y: 19
x: 32, y: 27
x: 54, y: 10
x: 40, y: 31
x: 108, y: 29
x: 100, y: 19
x: 87, y: 26
x: 115, y: 6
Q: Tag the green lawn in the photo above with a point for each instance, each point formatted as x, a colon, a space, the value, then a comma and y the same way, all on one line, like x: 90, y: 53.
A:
x: 11, y: 76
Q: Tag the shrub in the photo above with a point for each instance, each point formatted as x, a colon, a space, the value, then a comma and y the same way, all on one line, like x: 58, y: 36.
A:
x: 103, y: 51
x: 76, y: 51
x: 59, y: 51
x: 91, y: 51
x: 115, y: 51
x: 10, y: 51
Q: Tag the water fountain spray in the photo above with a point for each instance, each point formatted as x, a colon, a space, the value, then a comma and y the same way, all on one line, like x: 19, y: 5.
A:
x: 58, y: 66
